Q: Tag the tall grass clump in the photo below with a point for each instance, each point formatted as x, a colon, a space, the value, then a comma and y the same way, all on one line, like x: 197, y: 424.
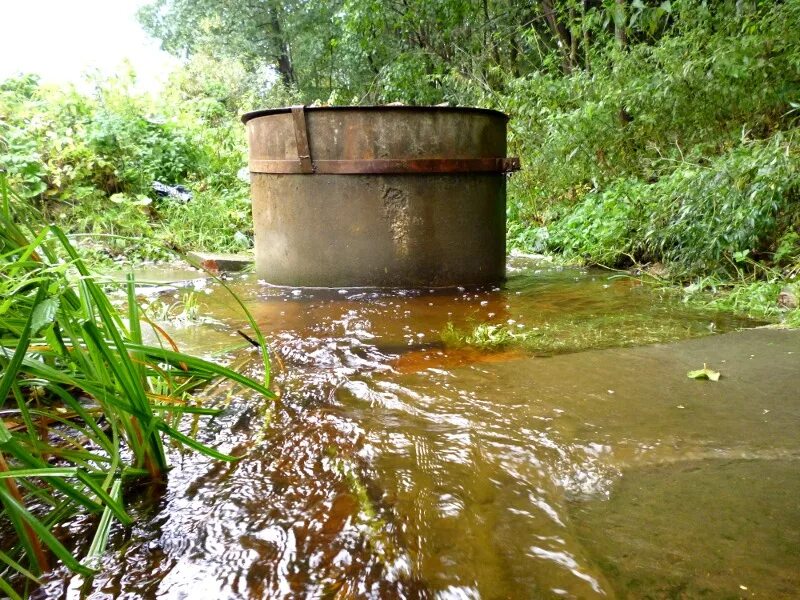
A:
x: 86, y: 407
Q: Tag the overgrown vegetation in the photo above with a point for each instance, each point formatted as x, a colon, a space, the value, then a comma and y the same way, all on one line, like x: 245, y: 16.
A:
x: 88, y: 161
x: 650, y: 131
x: 86, y: 407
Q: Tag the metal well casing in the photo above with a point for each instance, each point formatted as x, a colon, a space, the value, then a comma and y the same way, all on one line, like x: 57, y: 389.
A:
x: 379, y: 196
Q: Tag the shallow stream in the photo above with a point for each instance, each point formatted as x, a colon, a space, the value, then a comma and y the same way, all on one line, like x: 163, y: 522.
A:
x: 395, y: 466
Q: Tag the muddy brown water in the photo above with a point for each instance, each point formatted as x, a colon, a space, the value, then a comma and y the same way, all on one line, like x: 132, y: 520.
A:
x: 396, y: 467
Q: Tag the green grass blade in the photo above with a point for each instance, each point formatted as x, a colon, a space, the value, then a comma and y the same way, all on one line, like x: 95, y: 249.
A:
x: 176, y: 358
x: 4, y: 196
x: 12, y: 369
x: 150, y: 449
x: 264, y: 348
x: 111, y: 504
x: 100, y: 541
x: 40, y: 472
x: 21, y: 454
x: 28, y: 545
x: 189, y: 410
x: 6, y: 587
x: 18, y: 567
x: 194, y: 444
x: 135, y: 328
x: 43, y: 533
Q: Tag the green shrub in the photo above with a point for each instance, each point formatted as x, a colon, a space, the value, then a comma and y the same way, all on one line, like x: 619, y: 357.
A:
x: 705, y: 214
x: 88, y: 160
x: 216, y: 220
x: 699, y: 217
x: 606, y: 226
x: 644, y: 111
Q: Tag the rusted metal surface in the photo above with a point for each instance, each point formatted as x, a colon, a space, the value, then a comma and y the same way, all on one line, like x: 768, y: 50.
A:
x: 379, y: 108
x: 379, y: 196
x: 301, y: 139
x: 389, y: 166
x: 219, y: 262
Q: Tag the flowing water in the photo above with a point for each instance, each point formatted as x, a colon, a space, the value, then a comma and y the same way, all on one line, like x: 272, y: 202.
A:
x: 586, y: 465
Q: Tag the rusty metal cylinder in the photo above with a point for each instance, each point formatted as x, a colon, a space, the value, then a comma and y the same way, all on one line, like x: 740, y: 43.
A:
x: 384, y: 196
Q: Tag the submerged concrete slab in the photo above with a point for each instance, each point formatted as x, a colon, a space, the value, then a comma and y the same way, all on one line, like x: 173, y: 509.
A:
x: 158, y: 277
x: 643, y: 395
x: 762, y: 363
x: 221, y: 262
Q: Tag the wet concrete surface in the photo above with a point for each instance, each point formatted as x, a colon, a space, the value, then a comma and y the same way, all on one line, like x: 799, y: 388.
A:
x: 396, y: 466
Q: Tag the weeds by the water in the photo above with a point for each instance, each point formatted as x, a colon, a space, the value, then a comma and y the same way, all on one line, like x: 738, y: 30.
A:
x: 485, y: 336
x: 85, y: 404
x: 185, y: 310
x: 756, y: 291
x: 569, y: 335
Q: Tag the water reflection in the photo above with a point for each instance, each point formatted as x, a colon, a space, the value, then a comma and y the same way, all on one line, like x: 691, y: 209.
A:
x: 397, y: 467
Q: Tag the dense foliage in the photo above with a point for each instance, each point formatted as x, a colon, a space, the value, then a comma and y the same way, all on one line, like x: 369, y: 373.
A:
x: 88, y: 161
x: 650, y: 131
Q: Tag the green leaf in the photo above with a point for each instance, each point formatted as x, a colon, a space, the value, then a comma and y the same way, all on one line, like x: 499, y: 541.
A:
x: 5, y: 434
x: 44, y: 314
x: 43, y: 472
x: 704, y: 373
x: 18, y: 567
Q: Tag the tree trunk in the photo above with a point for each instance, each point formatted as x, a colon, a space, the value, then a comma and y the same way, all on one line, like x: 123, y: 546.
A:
x: 573, y: 41
x: 585, y: 30
x: 621, y: 34
x: 620, y: 18
x: 560, y: 33
x: 283, y: 56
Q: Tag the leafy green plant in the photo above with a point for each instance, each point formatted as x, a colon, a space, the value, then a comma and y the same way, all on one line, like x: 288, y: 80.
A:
x: 748, y: 295
x: 787, y: 251
x: 558, y: 336
x: 642, y: 112
x: 216, y: 220
x: 484, y: 336
x: 88, y: 161
x: 701, y: 215
x: 604, y: 228
x: 185, y: 310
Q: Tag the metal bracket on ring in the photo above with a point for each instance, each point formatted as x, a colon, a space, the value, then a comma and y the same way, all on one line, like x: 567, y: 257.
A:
x: 301, y: 137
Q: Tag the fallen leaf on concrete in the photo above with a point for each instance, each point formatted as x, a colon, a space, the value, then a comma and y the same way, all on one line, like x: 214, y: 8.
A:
x: 704, y: 373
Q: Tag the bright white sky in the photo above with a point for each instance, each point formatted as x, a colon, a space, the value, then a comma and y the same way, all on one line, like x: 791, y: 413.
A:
x: 62, y: 39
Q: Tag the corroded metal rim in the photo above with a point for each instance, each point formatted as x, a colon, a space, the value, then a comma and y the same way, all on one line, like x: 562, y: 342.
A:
x: 304, y: 164
x: 376, y: 108
x: 398, y: 166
